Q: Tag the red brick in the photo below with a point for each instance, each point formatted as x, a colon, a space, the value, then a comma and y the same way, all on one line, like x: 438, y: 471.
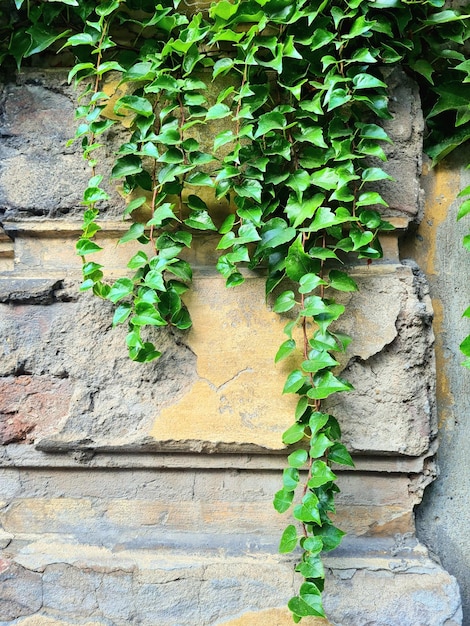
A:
x: 32, y: 406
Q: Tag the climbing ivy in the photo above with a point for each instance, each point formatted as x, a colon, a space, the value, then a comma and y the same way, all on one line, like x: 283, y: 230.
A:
x: 303, y: 88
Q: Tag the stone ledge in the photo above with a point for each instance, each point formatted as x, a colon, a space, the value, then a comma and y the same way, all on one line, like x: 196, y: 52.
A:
x: 378, y: 583
x: 19, y: 455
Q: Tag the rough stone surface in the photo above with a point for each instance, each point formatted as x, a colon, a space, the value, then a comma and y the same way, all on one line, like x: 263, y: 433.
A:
x: 224, y: 375
x: 394, y: 587
x: 392, y: 370
x: 36, y: 121
x: 141, y: 495
x: 31, y: 407
x: 228, y: 509
x: 20, y: 590
x: 404, y: 153
x: 443, y: 518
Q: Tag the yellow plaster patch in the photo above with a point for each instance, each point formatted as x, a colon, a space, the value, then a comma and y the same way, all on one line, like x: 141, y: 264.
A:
x: 441, y: 185
x: 238, y: 395
x: 272, y: 617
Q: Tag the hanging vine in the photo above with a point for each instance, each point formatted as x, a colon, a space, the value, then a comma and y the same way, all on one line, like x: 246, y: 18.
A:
x: 303, y: 92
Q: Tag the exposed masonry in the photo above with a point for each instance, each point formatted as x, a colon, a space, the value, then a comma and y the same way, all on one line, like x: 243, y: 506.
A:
x: 113, y: 512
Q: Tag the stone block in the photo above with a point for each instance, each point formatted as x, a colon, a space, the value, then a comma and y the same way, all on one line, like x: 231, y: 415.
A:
x: 69, y: 590
x: 224, y: 377
x: 405, y: 129
x: 20, y: 590
x: 36, y: 121
x: 32, y: 407
x: 378, y: 583
x: 129, y: 515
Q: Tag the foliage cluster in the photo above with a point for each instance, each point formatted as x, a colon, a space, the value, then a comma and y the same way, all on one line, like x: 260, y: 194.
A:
x: 303, y: 91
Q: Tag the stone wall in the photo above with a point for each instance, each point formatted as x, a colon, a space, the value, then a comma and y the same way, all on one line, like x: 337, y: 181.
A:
x: 443, y: 520
x: 141, y: 493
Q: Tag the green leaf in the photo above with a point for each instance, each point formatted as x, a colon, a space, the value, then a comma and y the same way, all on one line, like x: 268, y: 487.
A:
x: 293, y: 434
x: 423, y: 67
x: 367, y: 81
x: 453, y: 140
x: 288, y: 540
x: 284, y: 302
x: 135, y: 231
x: 290, y: 478
x: 218, y: 111
x: 136, y: 104
x: 372, y: 174
x: 370, y: 219
x: 309, y: 282
x: 200, y: 220
x: 285, y: 350
x: 298, y: 263
x: 154, y: 280
x: 465, y: 346
x: 330, y: 536
x: 298, y: 458
x: 147, y: 315
x: 282, y: 500
x: 249, y: 188
x: 301, y: 407
x: 311, y: 567
x: 83, y: 39
x: 464, y: 209
x: 145, y: 354
x: 274, y: 233
x: 85, y: 246
x: 222, y: 138
x: 120, y: 289
x: 161, y: 214
x: 326, y: 384
x: 42, y: 38
x: 126, y: 166
x: 339, y: 454
x: 200, y: 179
x: 444, y: 17
x: 370, y: 197
x: 320, y: 474
x: 318, y: 360
x: 318, y: 446
x: 222, y: 66
x: 270, y: 121
x: 138, y: 260
x: 107, y: 7
x: 308, y: 511
x: 361, y: 238
x: 294, y: 382
x: 94, y: 194
x: 300, y: 210
x: 299, y: 181
x: 373, y: 131
x: 341, y: 281
x: 182, y: 270
x: 317, y: 421
x: 121, y: 313
x: 311, y: 595
x: 312, y: 545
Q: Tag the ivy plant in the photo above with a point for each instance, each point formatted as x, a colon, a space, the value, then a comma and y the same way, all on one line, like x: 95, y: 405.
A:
x: 303, y: 91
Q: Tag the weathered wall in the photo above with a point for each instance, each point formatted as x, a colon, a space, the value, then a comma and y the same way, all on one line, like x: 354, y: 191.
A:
x: 141, y: 494
x: 443, y: 517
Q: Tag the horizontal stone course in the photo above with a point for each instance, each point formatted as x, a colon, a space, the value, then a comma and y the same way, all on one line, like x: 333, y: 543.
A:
x: 396, y: 585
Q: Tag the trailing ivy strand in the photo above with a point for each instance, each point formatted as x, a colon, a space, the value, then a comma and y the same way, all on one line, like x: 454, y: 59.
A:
x: 303, y: 91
